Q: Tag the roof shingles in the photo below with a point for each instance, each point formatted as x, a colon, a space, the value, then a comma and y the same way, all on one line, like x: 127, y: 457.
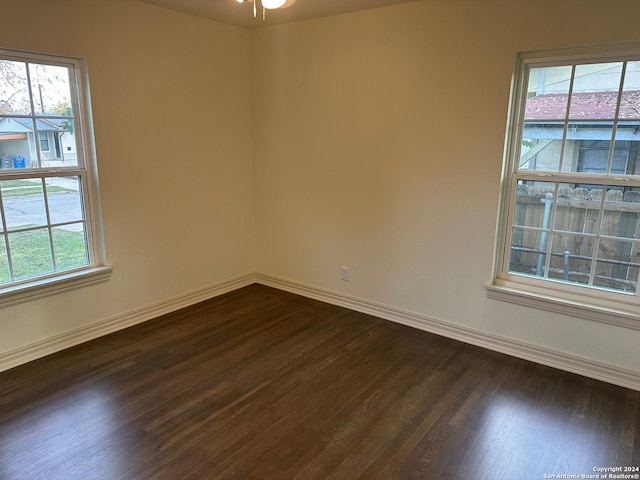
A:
x: 590, y: 105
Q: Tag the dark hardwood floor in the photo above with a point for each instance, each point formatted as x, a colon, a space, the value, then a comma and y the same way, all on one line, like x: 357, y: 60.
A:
x: 260, y: 383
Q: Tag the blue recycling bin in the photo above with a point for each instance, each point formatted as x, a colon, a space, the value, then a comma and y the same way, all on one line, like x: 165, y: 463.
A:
x: 19, y: 162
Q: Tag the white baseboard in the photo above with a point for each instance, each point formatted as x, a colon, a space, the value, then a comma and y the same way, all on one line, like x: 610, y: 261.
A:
x: 59, y: 342
x: 545, y: 356
x: 571, y: 363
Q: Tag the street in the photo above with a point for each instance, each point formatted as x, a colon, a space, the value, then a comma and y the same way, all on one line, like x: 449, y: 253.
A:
x: 29, y: 210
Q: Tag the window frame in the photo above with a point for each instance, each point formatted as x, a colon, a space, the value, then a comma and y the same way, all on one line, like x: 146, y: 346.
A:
x: 588, y: 302
x: 97, y: 269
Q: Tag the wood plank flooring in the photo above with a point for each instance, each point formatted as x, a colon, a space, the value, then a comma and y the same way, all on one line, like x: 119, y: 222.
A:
x: 263, y: 384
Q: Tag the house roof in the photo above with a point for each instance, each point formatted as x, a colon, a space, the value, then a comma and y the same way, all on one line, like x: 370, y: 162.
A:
x: 21, y: 125
x: 44, y: 124
x: 596, y: 105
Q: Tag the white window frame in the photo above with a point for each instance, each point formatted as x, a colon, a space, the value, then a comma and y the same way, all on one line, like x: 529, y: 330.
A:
x: 592, y: 303
x: 97, y: 269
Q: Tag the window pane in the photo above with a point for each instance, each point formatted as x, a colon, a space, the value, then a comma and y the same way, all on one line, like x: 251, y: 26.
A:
x: 59, y: 150
x: 617, y: 265
x: 52, y: 96
x: 50, y: 87
x: 587, y: 148
x: 70, y: 246
x: 530, y: 203
x: 547, y: 93
x: 626, y: 147
x: 532, y: 212
x: 63, y: 151
x: 630, y: 103
x: 595, y: 91
x: 65, y: 199
x: 67, y: 155
x: 31, y: 253
x: 17, y: 144
x: 621, y: 214
x: 541, y: 146
x: 571, y: 258
x: 578, y: 208
x: 23, y: 203
x: 527, y: 256
x: 14, y: 90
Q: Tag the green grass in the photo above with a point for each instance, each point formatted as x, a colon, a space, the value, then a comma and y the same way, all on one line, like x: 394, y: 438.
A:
x: 20, y: 183
x: 31, y: 253
x: 31, y: 191
x: 15, y: 188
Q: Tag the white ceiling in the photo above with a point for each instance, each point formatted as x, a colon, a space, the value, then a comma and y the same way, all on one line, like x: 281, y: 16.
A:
x: 241, y: 15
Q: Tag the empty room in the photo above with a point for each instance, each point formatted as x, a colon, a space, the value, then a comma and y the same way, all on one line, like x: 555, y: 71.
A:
x: 313, y: 239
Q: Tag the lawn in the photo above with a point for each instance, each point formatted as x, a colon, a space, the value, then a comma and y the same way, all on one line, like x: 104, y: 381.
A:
x: 14, y: 188
x: 31, y: 253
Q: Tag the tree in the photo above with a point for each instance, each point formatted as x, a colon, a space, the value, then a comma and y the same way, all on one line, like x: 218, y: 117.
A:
x: 64, y: 108
x: 14, y: 93
x: 49, y: 89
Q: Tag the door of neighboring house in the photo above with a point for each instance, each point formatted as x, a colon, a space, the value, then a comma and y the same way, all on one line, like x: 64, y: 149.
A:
x: 56, y: 144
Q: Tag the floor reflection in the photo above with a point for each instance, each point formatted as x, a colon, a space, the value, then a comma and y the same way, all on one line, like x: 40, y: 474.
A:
x: 521, y: 436
x: 62, y: 433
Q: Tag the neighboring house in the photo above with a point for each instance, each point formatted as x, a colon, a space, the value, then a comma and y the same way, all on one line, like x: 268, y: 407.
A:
x: 56, y: 143
x: 587, y: 146
x: 594, y: 99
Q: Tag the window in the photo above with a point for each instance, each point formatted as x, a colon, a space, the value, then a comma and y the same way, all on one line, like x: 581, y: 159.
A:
x: 44, y: 141
x: 49, y: 228
x: 570, y: 208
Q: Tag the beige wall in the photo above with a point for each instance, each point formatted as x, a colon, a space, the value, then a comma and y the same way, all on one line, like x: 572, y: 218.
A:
x: 172, y: 114
x: 378, y: 145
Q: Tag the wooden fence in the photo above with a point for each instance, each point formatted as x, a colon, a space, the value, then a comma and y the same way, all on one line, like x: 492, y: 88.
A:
x: 570, y: 235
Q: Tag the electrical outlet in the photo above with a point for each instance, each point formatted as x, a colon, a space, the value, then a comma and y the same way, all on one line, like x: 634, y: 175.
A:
x: 344, y: 273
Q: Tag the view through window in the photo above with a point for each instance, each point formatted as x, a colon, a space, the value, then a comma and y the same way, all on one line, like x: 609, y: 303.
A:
x: 573, y: 190
x: 45, y: 227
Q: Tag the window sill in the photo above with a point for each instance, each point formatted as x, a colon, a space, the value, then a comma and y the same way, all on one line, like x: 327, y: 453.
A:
x: 45, y: 287
x: 597, y: 310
